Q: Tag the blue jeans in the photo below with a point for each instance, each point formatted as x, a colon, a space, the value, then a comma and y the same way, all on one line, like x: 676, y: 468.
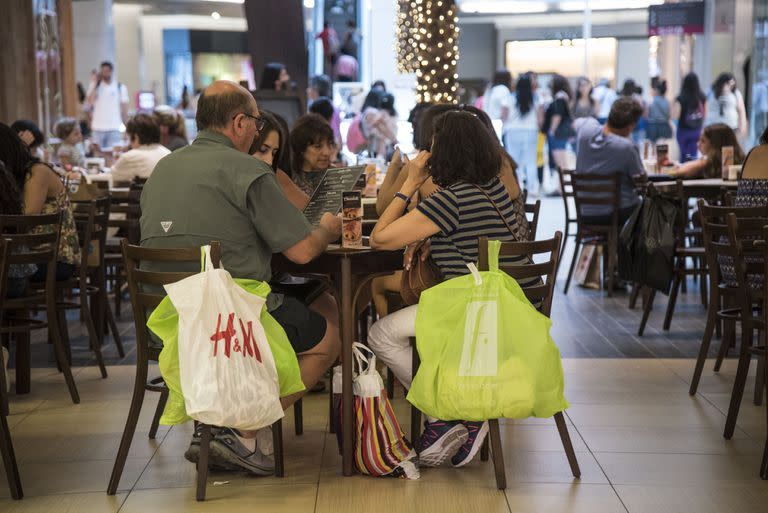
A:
x: 521, y: 144
x: 107, y: 138
x: 687, y: 139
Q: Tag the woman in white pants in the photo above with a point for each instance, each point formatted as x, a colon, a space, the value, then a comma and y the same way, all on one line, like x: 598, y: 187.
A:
x: 464, y: 162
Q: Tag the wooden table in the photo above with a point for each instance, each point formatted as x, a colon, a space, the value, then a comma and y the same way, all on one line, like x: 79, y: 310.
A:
x: 698, y: 188
x: 350, y: 270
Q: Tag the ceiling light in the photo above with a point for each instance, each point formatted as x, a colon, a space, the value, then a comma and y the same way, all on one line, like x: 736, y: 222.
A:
x: 503, y: 6
x: 309, y: 4
x: 215, y: 15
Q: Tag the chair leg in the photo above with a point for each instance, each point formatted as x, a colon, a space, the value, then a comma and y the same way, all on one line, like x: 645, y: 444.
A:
x: 202, y: 462
x: 566, y: 234
x: 58, y: 348
x: 23, y: 363
x: 158, y: 413
x: 565, y: 437
x: 113, y: 328
x: 648, y: 306
x: 745, y: 356
x: 331, y: 420
x: 764, y: 464
x: 415, y: 412
x: 729, y: 336
x: 759, y: 380
x: 130, y: 426
x: 298, y: 417
x: 93, y: 334
x: 704, y: 349
x: 9, y: 460
x: 611, y: 249
x: 703, y: 286
x: 118, y: 287
x: 277, y: 445
x: 390, y: 384
x: 634, y: 295
x: 497, y: 454
x: 573, y: 265
x: 672, y: 300
x: 485, y: 449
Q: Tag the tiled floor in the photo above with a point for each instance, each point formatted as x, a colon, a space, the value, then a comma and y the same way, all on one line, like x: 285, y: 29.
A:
x: 643, y: 444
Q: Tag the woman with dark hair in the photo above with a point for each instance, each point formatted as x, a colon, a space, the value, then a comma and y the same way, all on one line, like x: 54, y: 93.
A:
x: 658, y: 126
x: 312, y: 151
x: 632, y: 90
x: 521, y: 132
x: 11, y: 204
x: 270, y: 146
x: 558, y: 122
x: 689, y: 108
x: 499, y: 100
x: 725, y: 104
x: 275, y: 77
x: 31, y: 135
x: 584, y: 105
x: 471, y: 202
x: 711, y: 143
x: 42, y: 192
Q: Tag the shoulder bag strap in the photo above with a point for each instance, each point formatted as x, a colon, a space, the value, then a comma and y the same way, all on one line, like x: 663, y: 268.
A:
x: 503, y: 218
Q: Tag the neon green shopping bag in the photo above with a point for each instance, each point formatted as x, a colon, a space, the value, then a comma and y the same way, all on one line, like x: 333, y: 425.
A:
x: 164, y: 322
x: 485, y: 350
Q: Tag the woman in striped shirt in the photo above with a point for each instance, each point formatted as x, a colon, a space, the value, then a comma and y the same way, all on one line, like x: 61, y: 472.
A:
x: 464, y: 163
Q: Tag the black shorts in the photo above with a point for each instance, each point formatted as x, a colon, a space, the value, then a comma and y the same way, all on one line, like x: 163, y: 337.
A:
x: 305, y: 328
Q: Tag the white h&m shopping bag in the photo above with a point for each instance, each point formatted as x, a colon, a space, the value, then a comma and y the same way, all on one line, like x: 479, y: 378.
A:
x: 228, y: 375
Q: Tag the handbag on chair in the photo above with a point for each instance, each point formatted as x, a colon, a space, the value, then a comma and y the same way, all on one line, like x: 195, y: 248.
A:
x: 423, y: 274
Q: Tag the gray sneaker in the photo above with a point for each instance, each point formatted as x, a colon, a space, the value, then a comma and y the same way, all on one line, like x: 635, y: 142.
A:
x: 192, y: 453
x: 227, y: 448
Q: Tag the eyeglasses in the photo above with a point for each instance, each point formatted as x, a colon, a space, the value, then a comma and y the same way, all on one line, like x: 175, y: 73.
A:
x: 260, y: 122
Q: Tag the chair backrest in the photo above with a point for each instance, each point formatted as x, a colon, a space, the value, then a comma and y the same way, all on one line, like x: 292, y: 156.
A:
x: 533, y: 221
x: 138, y: 280
x: 4, y: 265
x: 566, y: 188
x: 595, y: 191
x: 720, y: 241
x: 126, y: 206
x: 91, y: 220
x: 747, y: 258
x: 541, y: 293
x: 34, y: 239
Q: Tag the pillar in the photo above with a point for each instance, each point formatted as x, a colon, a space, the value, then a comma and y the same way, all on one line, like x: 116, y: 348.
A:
x: 18, y: 82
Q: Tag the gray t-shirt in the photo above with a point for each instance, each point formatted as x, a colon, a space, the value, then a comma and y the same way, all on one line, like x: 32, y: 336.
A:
x: 607, y: 154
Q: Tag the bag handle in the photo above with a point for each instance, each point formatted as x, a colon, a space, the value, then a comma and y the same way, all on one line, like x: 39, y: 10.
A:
x: 494, y: 248
x: 206, y: 262
x: 503, y: 218
x: 475, y: 274
x: 365, y: 365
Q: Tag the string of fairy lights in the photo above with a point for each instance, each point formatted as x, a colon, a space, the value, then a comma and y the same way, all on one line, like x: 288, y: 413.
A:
x: 427, y: 38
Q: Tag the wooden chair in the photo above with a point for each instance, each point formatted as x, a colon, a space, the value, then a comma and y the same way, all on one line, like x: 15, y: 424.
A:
x: 724, y: 295
x: 6, y: 444
x: 125, y: 212
x: 596, y: 191
x: 762, y: 350
x: 541, y: 295
x: 533, y: 221
x: 142, y: 301
x: 748, y: 265
x: 569, y: 208
x: 34, y: 240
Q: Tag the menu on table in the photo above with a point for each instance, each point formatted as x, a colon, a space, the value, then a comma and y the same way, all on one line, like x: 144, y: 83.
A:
x: 327, y: 196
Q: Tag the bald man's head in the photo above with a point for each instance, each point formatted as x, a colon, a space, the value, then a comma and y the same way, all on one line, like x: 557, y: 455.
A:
x: 220, y: 102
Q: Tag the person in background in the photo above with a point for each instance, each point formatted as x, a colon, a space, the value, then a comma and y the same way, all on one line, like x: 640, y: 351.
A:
x: 464, y: 161
x: 312, y: 151
x: 70, y: 151
x: 658, y: 113
x: 320, y: 87
x: 688, y: 109
x: 604, y: 97
x: 558, y: 123
x: 173, y: 130
x: 632, y: 90
x: 30, y: 133
x: 414, y: 118
x: 584, y: 105
x: 42, y: 192
x: 146, y: 151
x: 345, y: 68
x: 108, y: 99
x: 608, y: 150
x: 521, y: 133
x: 184, y: 102
x: 83, y: 111
x: 331, y: 46
x: 498, y: 101
x: 325, y: 108
x: 379, y: 85
x: 379, y: 124
x: 725, y: 104
x: 350, y: 41
x: 275, y: 77
x: 711, y: 143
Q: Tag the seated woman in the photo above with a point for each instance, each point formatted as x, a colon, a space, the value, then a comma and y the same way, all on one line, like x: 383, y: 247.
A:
x: 70, y: 151
x: 42, y: 192
x: 312, y: 151
x: 398, y: 172
x: 173, y: 131
x: 711, y: 142
x: 146, y: 151
x: 464, y: 162
x: 275, y: 77
x: 753, y: 183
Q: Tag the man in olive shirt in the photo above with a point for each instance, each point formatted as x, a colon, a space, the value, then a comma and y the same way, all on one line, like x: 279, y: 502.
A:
x: 214, y: 190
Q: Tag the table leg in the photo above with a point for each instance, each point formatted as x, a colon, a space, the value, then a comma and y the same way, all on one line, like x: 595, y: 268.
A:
x: 347, y: 329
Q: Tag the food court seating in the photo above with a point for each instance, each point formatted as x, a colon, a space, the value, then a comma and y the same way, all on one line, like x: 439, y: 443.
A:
x: 569, y: 208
